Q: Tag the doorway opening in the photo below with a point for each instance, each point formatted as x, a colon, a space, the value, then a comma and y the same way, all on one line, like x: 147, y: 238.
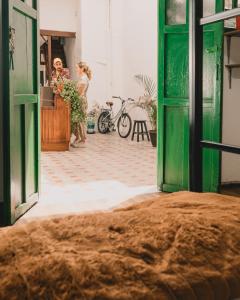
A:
x: 108, y: 170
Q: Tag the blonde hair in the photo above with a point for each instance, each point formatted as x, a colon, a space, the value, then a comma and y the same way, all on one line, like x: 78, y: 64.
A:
x: 86, y: 69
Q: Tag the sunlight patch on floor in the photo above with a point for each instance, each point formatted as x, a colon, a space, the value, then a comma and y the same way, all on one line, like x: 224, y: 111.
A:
x: 107, y: 172
x: 89, y: 197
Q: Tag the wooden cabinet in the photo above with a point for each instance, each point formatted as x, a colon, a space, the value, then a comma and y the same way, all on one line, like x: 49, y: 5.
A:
x: 55, y: 122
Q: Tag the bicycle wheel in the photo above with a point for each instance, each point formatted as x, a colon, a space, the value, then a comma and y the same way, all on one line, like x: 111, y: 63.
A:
x: 124, y: 125
x: 103, y: 122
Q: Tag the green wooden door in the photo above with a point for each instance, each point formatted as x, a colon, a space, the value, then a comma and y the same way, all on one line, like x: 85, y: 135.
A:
x: 22, y: 108
x: 173, y: 84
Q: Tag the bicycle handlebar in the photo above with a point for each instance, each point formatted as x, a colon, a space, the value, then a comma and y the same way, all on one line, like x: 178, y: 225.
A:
x: 118, y: 97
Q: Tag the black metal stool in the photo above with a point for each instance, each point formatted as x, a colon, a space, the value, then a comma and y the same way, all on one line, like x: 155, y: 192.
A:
x: 140, y: 131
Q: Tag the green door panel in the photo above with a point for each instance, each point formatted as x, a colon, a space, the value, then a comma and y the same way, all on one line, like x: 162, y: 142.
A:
x: 30, y: 151
x: 23, y: 98
x: 173, y: 94
x: 176, y: 66
x: 20, y: 72
x: 16, y: 153
x: 175, y: 169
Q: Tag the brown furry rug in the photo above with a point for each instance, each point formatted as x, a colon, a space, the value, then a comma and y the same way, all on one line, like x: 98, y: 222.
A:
x: 180, y: 246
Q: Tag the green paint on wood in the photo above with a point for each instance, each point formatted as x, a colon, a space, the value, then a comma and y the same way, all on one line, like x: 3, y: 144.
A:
x: 173, y: 84
x: 21, y: 110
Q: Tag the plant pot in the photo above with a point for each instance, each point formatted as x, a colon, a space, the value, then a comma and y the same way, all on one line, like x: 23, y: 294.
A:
x: 153, y: 137
x: 91, y: 128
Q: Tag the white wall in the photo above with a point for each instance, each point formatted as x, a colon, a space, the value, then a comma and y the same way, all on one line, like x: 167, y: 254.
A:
x: 139, y: 42
x: 117, y: 50
x: 133, y: 46
x: 95, y: 46
x: 117, y: 38
x: 58, y: 15
x: 62, y: 15
x: 231, y: 119
x: 71, y: 56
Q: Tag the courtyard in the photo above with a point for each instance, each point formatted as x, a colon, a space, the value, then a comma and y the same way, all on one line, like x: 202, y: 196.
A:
x: 101, y: 175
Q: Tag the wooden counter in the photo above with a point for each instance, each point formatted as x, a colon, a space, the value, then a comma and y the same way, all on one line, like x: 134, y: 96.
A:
x: 55, y: 124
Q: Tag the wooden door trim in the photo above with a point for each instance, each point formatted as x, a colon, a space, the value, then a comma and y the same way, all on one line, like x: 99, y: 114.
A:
x: 5, y: 94
x: 24, y: 9
x: 56, y: 33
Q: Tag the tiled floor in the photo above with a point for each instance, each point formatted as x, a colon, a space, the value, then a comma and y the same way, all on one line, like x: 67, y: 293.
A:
x: 102, y: 175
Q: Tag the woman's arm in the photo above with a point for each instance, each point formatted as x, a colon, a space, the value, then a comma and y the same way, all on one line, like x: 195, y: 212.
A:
x: 82, y: 89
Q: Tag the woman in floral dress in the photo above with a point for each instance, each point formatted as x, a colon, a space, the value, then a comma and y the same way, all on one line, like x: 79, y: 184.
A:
x: 85, y: 75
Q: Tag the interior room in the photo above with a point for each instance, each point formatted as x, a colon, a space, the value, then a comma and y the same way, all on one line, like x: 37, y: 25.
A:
x: 90, y: 207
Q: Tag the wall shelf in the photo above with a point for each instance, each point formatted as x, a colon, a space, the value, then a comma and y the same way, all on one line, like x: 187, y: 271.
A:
x: 230, y: 67
x: 229, y: 35
x: 235, y: 32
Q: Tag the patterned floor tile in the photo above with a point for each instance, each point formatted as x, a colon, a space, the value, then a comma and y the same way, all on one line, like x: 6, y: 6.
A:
x: 104, y: 174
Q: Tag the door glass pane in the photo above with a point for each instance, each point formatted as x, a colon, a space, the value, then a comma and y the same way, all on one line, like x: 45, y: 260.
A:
x: 176, y: 12
x: 209, y: 7
x: 29, y: 2
x: 228, y: 4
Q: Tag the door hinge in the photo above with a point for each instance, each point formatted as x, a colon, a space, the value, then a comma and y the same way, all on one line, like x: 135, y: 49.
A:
x: 11, y: 46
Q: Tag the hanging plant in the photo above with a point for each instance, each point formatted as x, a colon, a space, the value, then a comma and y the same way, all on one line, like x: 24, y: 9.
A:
x: 68, y: 90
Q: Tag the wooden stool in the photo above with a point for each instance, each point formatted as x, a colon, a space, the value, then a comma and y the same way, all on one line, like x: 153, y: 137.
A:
x: 140, y: 131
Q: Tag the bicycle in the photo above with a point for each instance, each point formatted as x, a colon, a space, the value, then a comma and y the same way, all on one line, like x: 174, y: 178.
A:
x: 107, y: 119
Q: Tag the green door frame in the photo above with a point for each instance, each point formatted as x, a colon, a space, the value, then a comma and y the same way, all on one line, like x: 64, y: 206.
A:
x: 198, y: 143
x: 7, y: 216
x: 173, y: 152
x: 165, y: 102
x: 4, y: 115
x: 1, y: 121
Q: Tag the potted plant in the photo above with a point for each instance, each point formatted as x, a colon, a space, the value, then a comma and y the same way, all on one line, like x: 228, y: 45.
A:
x: 153, y: 119
x: 149, y: 103
x: 92, y: 118
x: 68, y: 90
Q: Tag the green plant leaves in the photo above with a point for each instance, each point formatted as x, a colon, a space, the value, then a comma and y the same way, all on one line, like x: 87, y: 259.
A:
x: 149, y: 101
x: 69, y: 92
x: 149, y: 85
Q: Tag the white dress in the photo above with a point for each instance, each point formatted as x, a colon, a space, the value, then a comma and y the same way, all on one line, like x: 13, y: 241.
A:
x: 83, y: 80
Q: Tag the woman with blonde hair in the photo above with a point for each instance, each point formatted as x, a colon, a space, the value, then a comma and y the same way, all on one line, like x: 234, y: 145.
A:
x: 85, y: 75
